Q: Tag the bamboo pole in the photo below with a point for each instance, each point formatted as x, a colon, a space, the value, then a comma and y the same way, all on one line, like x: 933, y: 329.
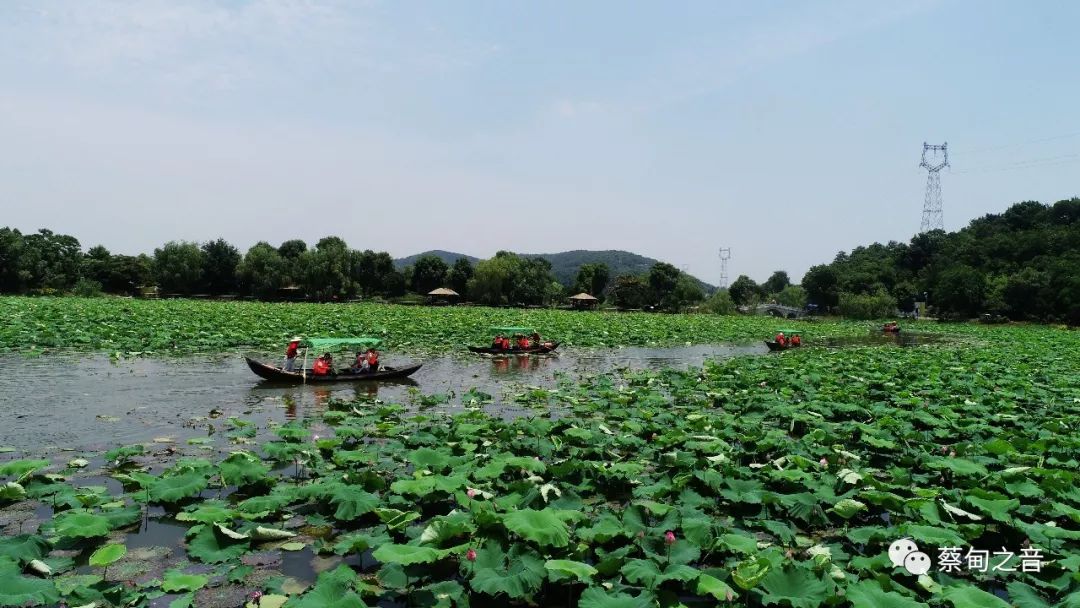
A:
x: 303, y: 370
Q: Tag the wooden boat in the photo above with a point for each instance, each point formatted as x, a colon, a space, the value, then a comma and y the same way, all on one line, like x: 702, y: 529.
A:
x: 890, y: 329
x: 276, y: 374
x: 538, y: 350
x: 774, y: 345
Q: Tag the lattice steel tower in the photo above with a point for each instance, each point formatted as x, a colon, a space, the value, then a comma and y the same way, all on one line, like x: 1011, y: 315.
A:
x: 725, y: 255
x: 934, y: 158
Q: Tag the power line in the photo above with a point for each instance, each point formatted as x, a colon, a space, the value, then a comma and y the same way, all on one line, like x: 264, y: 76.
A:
x: 1020, y: 143
x: 1049, y: 161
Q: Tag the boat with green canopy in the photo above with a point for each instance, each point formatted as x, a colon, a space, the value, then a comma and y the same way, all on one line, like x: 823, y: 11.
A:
x: 331, y: 345
x: 788, y: 333
x: 511, y: 331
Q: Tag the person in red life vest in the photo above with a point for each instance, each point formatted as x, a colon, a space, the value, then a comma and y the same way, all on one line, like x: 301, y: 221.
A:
x: 497, y: 342
x: 323, y: 366
x: 780, y: 339
x: 523, y: 342
x: 290, y: 354
x: 373, y: 360
x: 504, y: 343
x: 796, y: 340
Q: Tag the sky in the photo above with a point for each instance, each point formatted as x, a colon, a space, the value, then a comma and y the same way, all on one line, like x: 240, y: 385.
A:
x: 787, y: 131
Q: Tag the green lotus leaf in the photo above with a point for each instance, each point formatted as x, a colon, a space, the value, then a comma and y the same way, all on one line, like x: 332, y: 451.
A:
x: 174, y: 488
x: 19, y: 590
x: 176, y: 581
x: 543, y: 527
x: 559, y: 569
x: 207, y: 544
x: 79, y: 523
x: 597, y: 597
x: 208, y: 512
x: 333, y: 589
x: 1025, y: 596
x: 517, y: 574
x: 351, y: 501
x: 23, y: 548
x: 710, y: 585
x: 12, y: 491
x: 395, y: 519
x: 868, y: 594
x: 241, y: 469
x: 748, y: 573
x: 407, y: 554
x: 21, y: 469
x: 107, y: 554
x: 793, y: 587
x: 972, y: 597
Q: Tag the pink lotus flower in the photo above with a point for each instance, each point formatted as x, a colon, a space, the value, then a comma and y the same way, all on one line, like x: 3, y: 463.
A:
x: 471, y: 492
x: 669, y: 537
x: 944, y: 449
x: 471, y: 555
x: 256, y: 595
x: 824, y: 462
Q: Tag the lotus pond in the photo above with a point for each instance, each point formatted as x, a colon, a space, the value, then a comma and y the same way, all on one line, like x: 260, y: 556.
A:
x: 773, y: 480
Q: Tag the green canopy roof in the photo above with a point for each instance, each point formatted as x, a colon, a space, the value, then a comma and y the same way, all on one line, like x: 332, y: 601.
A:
x: 512, y: 330
x: 332, y: 343
x: 789, y: 331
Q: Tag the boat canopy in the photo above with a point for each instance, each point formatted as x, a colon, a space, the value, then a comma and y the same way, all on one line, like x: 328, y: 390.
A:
x: 789, y: 331
x: 332, y: 343
x: 512, y: 330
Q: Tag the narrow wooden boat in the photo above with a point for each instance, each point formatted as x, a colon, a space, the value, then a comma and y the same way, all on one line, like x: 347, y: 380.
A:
x: 773, y: 345
x: 269, y: 372
x: 538, y: 350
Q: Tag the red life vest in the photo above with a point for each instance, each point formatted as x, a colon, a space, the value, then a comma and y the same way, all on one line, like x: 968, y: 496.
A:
x: 373, y: 360
x: 780, y: 339
x: 796, y: 340
x: 321, y: 367
x: 523, y: 343
x: 290, y: 352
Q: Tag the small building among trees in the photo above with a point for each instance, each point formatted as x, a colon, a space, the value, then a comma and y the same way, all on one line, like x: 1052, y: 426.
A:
x: 443, y: 296
x: 584, y: 301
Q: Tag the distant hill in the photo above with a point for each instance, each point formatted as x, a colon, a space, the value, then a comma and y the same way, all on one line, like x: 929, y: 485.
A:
x: 565, y: 265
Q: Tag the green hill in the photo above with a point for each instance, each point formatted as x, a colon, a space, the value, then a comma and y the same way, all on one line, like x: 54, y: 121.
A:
x: 565, y: 264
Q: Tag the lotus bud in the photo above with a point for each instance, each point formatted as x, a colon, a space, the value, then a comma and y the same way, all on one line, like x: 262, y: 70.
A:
x: 471, y: 555
x: 824, y: 461
x: 641, y: 534
x: 952, y: 453
x: 471, y: 492
x: 669, y: 537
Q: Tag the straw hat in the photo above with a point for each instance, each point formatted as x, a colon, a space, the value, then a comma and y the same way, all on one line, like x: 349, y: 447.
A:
x: 296, y: 339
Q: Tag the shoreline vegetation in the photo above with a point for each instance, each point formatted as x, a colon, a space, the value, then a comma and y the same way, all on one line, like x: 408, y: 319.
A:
x: 168, y: 326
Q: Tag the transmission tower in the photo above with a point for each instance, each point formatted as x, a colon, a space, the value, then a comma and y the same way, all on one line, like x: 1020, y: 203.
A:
x: 934, y: 159
x: 725, y: 255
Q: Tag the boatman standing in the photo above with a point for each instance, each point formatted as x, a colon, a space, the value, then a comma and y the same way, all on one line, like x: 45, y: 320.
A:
x: 290, y: 354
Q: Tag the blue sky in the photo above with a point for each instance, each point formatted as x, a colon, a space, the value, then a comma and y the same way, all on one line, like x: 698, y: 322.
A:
x: 787, y: 131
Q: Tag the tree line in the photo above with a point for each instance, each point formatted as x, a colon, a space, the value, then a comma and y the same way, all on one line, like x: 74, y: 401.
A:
x: 46, y: 262
x: 1021, y: 264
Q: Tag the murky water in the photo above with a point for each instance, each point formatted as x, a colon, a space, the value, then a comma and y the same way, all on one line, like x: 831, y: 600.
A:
x: 90, y: 403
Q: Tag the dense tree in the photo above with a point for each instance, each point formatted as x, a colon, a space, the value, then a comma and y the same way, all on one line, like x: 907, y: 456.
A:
x: 11, y: 244
x: 458, y: 277
x: 793, y: 296
x: 629, y: 291
x: 592, y: 279
x: 720, y: 303
x: 663, y: 278
x: 429, y: 272
x: 372, y: 271
x: 822, y: 286
x: 220, y: 260
x: 510, y: 279
x: 687, y: 292
x: 49, y: 260
x: 776, y: 282
x: 291, y: 250
x: 327, y: 270
x: 262, y: 271
x: 127, y: 273
x: 178, y: 267
x: 960, y: 290
x: 877, y: 305
x: 744, y: 291
x: 95, y: 264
